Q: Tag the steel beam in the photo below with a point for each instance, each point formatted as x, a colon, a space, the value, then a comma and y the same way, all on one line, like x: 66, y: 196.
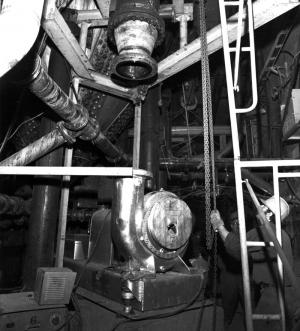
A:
x: 105, y: 84
x: 60, y: 33
x: 94, y: 15
x: 103, y: 6
x: 264, y: 12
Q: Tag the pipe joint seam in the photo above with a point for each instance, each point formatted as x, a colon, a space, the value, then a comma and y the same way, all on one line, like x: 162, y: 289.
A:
x: 69, y: 138
x: 91, y: 130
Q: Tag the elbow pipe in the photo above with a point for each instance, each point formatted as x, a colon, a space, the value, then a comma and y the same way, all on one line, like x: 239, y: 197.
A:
x: 76, y: 118
x: 21, y: 22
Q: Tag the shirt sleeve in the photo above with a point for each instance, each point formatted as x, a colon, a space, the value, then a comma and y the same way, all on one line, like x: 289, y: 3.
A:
x: 232, y: 245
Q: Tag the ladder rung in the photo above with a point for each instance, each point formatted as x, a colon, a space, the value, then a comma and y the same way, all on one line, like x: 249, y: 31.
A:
x: 266, y: 317
x: 258, y: 243
x: 243, y: 49
x: 231, y: 3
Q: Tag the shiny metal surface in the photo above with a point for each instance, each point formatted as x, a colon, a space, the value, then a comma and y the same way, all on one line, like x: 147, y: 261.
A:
x: 152, y: 238
x: 170, y: 220
x: 127, y: 219
x: 135, y: 41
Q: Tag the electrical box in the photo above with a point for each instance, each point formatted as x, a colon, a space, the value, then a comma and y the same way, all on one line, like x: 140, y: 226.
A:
x: 54, y: 286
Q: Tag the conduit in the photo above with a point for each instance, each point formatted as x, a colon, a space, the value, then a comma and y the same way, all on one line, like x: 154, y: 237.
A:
x: 19, y: 25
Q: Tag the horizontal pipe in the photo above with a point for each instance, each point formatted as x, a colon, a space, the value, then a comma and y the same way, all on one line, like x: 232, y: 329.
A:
x: 35, y: 150
x: 194, y: 162
x: 76, y: 116
x: 74, y: 171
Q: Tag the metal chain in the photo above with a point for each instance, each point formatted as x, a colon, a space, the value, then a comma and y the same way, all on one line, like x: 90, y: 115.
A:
x: 209, y: 173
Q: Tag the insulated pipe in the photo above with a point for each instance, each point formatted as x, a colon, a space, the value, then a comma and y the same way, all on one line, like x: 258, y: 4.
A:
x: 19, y: 26
x: 76, y: 116
x: 35, y: 150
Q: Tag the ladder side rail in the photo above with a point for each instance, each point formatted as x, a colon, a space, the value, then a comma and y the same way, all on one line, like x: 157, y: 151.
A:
x: 243, y: 246
x: 279, y: 238
x: 237, y: 168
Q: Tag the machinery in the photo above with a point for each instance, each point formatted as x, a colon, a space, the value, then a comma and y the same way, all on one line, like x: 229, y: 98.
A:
x: 118, y: 139
x: 135, y: 250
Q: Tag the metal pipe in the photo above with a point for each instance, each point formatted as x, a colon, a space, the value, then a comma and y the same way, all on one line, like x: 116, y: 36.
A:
x: 183, y: 19
x: 76, y: 116
x: 63, y: 212
x: 43, y: 217
x: 137, y: 136
x: 46, y: 192
x: 46, y: 89
x: 32, y: 152
x: 194, y: 162
x: 149, y: 158
x: 75, y: 171
x: 65, y: 191
x: 257, y: 181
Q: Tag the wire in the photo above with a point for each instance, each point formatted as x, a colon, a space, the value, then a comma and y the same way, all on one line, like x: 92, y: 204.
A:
x: 23, y: 123
x: 163, y: 315
x: 12, y: 123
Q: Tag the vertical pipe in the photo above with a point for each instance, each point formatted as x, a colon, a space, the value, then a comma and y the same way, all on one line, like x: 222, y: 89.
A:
x: 183, y: 30
x: 42, y: 222
x: 65, y: 192
x: 150, y: 138
x: 137, y: 136
x: 45, y: 203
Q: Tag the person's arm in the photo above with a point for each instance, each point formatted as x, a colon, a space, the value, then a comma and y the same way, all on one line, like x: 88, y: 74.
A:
x: 230, y: 239
x: 218, y: 224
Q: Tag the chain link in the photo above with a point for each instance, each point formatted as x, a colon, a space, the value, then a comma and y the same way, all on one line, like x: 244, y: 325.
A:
x: 209, y: 165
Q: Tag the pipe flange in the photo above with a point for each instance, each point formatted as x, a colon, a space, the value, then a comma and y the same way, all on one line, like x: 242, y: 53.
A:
x: 143, y: 67
x: 134, y: 13
x: 65, y: 133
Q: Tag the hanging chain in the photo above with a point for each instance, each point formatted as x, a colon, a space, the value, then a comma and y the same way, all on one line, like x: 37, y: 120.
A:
x: 209, y: 165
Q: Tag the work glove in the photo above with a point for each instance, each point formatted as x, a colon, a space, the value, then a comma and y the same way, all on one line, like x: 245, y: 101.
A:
x: 216, y: 220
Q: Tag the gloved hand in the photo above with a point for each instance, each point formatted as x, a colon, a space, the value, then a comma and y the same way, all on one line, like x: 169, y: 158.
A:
x: 216, y: 220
